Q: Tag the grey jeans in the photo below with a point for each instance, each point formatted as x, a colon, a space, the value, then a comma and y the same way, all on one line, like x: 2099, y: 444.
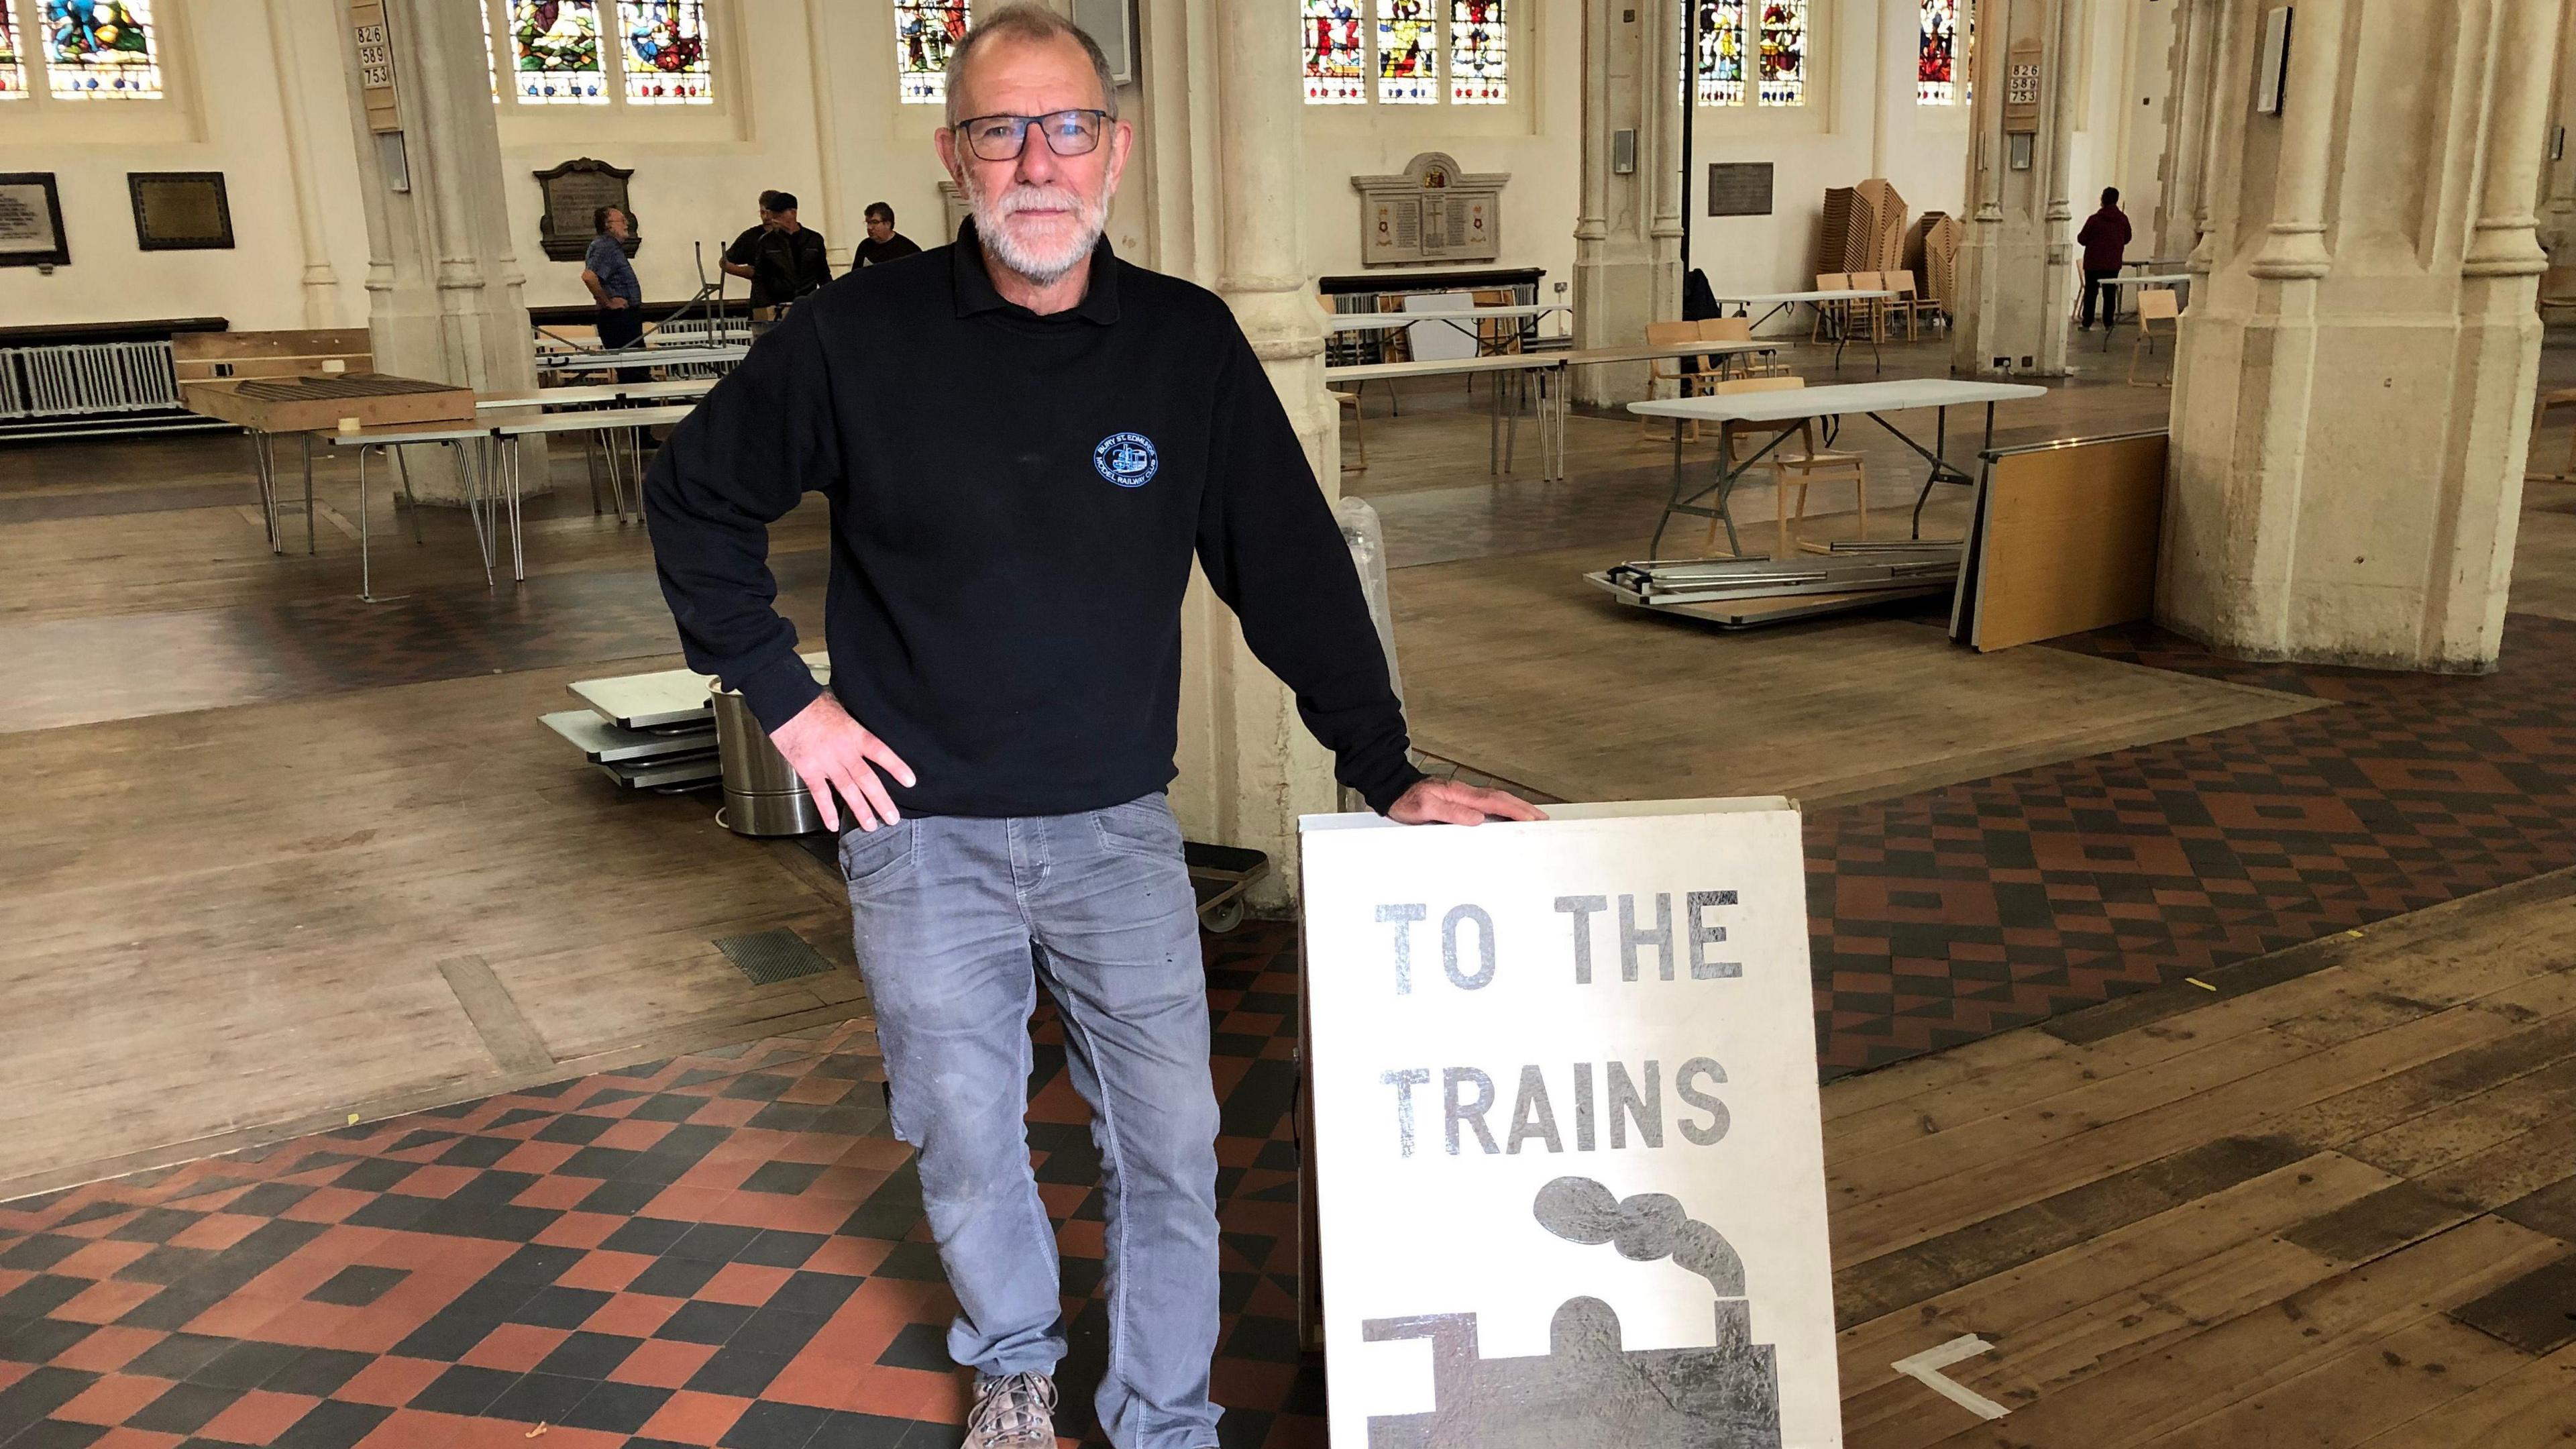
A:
x: 956, y: 920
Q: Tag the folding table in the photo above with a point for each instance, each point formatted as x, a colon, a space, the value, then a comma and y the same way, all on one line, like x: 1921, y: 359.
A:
x: 1867, y: 399
x: 1500, y: 439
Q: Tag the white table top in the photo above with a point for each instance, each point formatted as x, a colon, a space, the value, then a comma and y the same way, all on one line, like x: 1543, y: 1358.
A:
x: 1836, y: 400
x: 1650, y: 352
x: 520, y: 423
x: 2158, y: 279
x: 644, y: 356
x: 1444, y: 367
x: 1389, y: 321
x: 595, y: 393
x: 390, y: 433
x: 1750, y: 299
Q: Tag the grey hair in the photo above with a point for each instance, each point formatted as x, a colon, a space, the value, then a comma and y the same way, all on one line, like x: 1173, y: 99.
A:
x: 1028, y: 22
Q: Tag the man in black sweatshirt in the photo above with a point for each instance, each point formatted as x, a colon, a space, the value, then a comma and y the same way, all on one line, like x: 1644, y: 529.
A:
x: 1025, y: 441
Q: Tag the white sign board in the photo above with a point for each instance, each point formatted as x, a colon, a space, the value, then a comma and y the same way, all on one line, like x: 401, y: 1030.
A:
x: 1569, y: 1159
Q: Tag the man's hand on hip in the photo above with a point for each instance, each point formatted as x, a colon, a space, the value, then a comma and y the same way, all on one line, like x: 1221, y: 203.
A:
x: 1446, y: 802
x: 832, y: 752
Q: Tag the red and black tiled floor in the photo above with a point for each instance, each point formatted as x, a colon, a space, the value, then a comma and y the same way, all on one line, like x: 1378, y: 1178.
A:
x: 721, y: 1249
x: 728, y: 1249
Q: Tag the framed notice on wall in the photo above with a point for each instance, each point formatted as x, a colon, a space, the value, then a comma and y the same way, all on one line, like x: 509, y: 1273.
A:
x: 31, y: 221
x: 1569, y: 1160
x: 177, y: 211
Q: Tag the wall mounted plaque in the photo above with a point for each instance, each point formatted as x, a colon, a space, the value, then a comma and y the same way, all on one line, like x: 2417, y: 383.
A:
x: 1431, y: 212
x: 375, y: 65
x: 1739, y: 188
x: 31, y: 221
x: 177, y: 211
x: 574, y: 192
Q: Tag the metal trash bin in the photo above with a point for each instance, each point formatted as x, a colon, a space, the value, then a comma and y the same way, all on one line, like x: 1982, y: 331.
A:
x: 763, y: 795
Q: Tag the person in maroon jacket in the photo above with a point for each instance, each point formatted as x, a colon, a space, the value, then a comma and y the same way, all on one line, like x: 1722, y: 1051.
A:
x: 2105, y: 239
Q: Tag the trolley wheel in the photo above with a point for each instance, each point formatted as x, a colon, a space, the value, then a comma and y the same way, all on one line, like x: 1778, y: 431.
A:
x: 1223, y: 916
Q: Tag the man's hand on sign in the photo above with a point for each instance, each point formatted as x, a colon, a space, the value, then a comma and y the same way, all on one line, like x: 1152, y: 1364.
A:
x: 833, y: 752
x: 1446, y: 802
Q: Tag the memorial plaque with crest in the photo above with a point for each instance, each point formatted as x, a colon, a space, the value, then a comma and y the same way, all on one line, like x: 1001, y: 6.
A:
x: 1431, y: 212
x: 574, y: 193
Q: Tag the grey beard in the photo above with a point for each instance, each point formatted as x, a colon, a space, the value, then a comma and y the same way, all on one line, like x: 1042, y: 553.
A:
x: 1043, y: 270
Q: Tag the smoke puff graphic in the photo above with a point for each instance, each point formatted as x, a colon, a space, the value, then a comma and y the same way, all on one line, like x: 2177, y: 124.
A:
x: 1642, y: 1228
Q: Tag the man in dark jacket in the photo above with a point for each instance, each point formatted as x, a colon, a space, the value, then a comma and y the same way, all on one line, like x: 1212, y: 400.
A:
x: 2105, y: 239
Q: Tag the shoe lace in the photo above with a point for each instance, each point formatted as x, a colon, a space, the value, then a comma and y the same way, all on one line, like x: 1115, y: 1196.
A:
x: 1016, y: 1406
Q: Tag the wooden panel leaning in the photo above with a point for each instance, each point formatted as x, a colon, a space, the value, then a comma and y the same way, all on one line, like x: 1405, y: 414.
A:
x: 2065, y: 539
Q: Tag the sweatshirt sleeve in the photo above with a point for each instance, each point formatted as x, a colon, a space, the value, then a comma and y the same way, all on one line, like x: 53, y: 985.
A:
x: 1273, y: 552
x: 762, y: 439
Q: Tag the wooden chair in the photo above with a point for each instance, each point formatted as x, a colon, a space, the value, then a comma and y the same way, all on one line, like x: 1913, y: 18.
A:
x: 1739, y: 329
x: 2554, y: 398
x: 1909, y: 304
x: 1873, y: 311
x: 2155, y: 304
x: 1830, y: 282
x: 1810, y: 463
x: 1350, y: 402
x: 1342, y: 348
x: 1669, y: 369
x: 2557, y: 291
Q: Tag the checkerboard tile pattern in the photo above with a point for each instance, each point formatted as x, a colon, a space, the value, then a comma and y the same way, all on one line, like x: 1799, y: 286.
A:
x: 1944, y: 916
x: 720, y: 1249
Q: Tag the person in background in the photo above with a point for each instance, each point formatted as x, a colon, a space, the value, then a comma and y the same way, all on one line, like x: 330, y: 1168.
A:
x: 884, y: 243
x: 2105, y: 239
x: 783, y: 259
x: 613, y: 285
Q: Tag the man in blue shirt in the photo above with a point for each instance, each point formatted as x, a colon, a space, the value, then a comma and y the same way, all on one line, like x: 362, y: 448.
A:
x: 612, y: 281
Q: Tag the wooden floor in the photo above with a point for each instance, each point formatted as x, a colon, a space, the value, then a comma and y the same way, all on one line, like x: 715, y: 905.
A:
x: 1520, y: 669
x: 2330, y: 1202
x: 266, y: 917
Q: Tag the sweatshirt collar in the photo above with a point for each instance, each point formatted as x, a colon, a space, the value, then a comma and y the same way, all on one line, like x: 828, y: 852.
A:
x: 975, y: 292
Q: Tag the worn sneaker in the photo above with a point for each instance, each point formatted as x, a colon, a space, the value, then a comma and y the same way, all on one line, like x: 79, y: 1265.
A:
x: 1015, y: 1411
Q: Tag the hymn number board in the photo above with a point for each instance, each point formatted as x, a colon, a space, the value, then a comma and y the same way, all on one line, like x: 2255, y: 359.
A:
x: 375, y: 65
x: 1431, y: 212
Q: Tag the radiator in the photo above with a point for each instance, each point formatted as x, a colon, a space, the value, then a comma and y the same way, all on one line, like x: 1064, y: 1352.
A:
x: 86, y: 379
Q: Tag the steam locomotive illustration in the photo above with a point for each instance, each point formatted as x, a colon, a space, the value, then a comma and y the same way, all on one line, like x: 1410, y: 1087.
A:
x: 1588, y: 1388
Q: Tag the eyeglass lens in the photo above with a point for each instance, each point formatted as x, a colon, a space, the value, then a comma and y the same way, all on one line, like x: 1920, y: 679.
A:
x: 1068, y: 133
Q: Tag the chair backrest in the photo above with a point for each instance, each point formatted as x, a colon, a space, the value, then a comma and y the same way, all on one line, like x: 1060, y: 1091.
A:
x: 2161, y: 304
x: 1671, y: 334
x: 1760, y: 384
x: 1833, y: 281
x: 1726, y: 329
x: 1865, y: 282
x: 1901, y: 283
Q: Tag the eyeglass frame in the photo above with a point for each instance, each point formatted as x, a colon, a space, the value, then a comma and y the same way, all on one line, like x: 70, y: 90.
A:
x: 1106, y: 119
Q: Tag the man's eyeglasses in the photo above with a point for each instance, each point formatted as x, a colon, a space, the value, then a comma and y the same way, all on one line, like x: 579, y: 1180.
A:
x: 1068, y: 133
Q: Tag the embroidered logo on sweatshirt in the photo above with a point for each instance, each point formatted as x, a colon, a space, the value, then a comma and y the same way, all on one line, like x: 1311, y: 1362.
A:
x: 1126, y: 459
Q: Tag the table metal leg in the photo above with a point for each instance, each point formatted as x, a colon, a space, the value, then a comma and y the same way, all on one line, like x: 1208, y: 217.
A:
x: 518, y: 545
x: 1730, y: 474
x: 590, y: 464
x: 411, y: 500
x: 366, y: 572
x: 263, y: 460
x: 474, y: 465
x: 307, y: 438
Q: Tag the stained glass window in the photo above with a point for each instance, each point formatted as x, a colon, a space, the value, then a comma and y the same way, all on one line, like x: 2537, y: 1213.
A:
x: 1784, y: 52
x: 665, y: 57
x: 556, y: 50
x: 1479, y: 53
x: 1408, y: 53
x: 1936, y: 68
x: 13, y: 72
x: 1336, y: 58
x: 101, y: 50
x: 1721, y: 52
x: 925, y: 31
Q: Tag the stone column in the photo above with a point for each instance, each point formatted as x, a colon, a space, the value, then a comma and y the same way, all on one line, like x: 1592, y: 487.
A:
x: 1627, y: 237
x: 2016, y: 263
x: 2357, y: 368
x: 320, y: 284
x: 443, y: 280
x: 2191, y: 72
x: 1248, y: 766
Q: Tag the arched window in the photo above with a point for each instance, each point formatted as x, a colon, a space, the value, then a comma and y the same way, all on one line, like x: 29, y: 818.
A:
x: 13, y: 72
x: 1479, y: 53
x: 554, y: 53
x: 100, y: 50
x: 664, y: 52
x: 1937, y: 62
x: 1392, y: 52
x: 1767, y: 39
x: 925, y: 31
